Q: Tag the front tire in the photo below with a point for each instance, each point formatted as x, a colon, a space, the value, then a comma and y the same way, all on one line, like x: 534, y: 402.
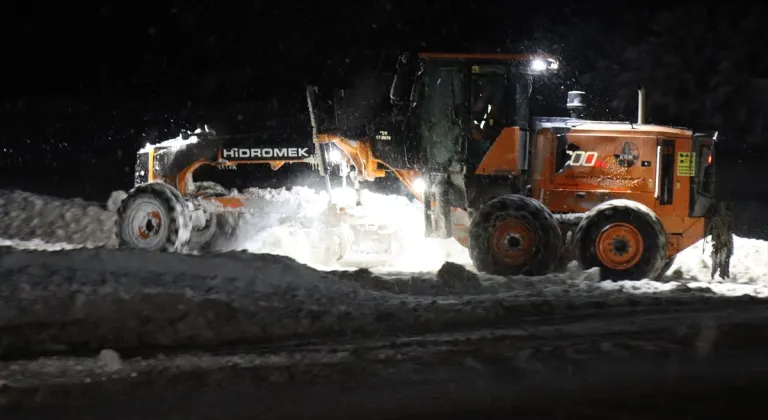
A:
x: 200, y: 238
x: 624, y: 238
x: 209, y: 189
x: 220, y: 229
x: 153, y: 217
x: 514, y: 235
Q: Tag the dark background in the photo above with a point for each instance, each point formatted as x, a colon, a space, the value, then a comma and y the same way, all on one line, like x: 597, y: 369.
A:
x: 85, y: 85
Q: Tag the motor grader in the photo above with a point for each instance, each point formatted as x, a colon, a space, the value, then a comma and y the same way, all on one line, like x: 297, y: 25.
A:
x: 526, y: 194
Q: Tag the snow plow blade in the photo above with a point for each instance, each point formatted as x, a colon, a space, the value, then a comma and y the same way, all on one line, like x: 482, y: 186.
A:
x: 302, y: 224
x: 363, y: 239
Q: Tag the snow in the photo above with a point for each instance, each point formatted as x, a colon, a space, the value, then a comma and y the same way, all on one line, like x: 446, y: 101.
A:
x: 174, y: 144
x: 37, y: 245
x: 750, y: 264
x: 72, y: 296
x: 110, y: 360
x: 113, y: 203
x: 692, y: 268
x: 30, y: 217
x: 294, y: 223
x: 284, y: 223
x: 125, y: 300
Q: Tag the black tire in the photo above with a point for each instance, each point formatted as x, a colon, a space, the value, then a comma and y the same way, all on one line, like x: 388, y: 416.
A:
x: 514, y: 235
x: 667, y: 266
x: 166, y: 207
x: 209, y: 189
x: 200, y: 239
x: 222, y: 229
x: 485, y: 194
x: 618, y: 224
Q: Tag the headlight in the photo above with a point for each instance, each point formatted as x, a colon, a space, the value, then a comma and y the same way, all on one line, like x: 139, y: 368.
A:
x: 539, y: 65
x: 419, y: 185
x: 334, y: 156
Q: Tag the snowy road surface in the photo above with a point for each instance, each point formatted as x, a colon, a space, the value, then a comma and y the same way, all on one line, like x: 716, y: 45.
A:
x: 66, y: 296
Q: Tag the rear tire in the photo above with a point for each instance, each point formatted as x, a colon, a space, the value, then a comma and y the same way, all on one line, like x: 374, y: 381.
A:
x: 153, y: 217
x: 514, y: 235
x: 667, y: 266
x: 624, y: 238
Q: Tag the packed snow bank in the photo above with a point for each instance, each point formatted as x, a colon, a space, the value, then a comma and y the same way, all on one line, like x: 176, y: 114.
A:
x: 130, y: 298
x: 749, y: 264
x: 89, y: 299
x: 693, y: 267
x: 31, y: 217
x: 37, y: 245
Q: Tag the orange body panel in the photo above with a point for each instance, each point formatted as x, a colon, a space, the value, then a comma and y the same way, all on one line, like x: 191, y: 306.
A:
x: 359, y: 153
x: 230, y: 202
x: 182, y: 179
x: 407, y: 177
x: 615, y: 174
x: 503, y: 156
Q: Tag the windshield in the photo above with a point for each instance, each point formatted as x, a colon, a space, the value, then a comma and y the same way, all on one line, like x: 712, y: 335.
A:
x: 439, y: 93
x: 460, y: 106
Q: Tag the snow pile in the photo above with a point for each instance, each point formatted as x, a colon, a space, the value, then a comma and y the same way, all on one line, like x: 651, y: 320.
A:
x: 295, y: 223
x: 37, y: 245
x: 31, y: 217
x: 150, y: 299
x: 692, y: 269
x: 287, y: 222
x: 115, y: 199
x: 94, y: 299
x: 749, y: 268
x: 749, y: 264
x: 177, y: 143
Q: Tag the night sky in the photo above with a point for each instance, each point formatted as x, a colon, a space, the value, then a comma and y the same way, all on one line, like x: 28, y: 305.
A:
x: 86, y: 84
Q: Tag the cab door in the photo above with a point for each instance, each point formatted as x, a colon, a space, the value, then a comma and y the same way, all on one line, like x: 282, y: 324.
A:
x: 664, y: 190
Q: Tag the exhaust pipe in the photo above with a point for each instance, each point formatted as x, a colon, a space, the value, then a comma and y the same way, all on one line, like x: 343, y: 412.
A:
x: 641, y: 105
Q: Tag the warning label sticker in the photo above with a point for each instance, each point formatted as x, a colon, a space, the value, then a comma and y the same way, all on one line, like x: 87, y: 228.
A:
x: 686, y: 163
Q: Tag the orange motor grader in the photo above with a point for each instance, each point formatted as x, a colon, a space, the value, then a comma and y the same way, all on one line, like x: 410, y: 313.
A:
x: 528, y: 193
x: 524, y: 193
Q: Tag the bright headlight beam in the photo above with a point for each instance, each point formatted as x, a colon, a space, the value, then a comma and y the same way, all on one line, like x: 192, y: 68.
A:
x: 334, y: 155
x: 538, y: 65
x: 419, y: 185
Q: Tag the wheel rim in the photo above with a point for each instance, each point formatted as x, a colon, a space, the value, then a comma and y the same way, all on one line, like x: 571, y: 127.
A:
x: 202, y: 235
x: 619, y: 246
x: 513, y: 242
x: 146, y: 225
